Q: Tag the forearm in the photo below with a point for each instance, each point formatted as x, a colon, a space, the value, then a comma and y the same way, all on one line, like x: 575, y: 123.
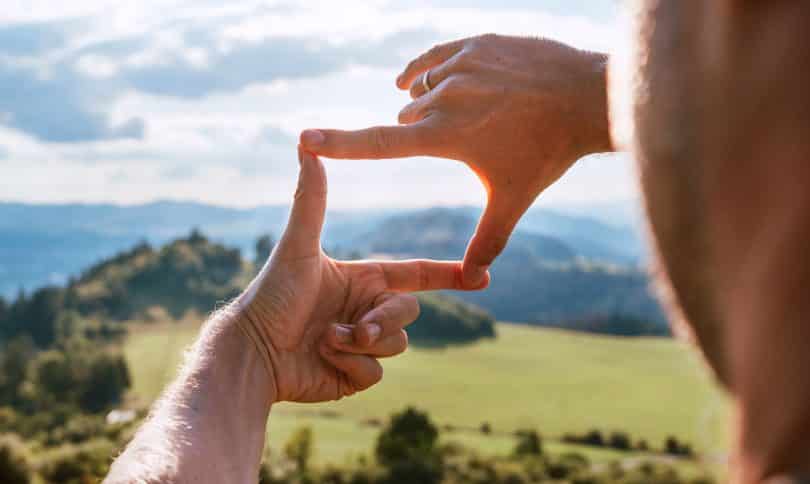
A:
x: 210, y: 424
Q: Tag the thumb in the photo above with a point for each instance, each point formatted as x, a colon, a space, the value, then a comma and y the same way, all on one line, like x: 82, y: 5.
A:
x: 303, y: 234
x: 490, y: 239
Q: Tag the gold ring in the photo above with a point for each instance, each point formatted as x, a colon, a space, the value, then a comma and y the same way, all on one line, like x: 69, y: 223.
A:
x: 426, y: 81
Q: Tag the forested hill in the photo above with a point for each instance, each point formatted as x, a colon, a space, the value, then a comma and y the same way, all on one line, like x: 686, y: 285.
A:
x: 187, y: 274
x: 538, y: 279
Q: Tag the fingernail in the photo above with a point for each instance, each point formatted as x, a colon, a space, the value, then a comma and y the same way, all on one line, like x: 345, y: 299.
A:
x: 373, y: 331
x: 312, y: 138
x: 343, y: 333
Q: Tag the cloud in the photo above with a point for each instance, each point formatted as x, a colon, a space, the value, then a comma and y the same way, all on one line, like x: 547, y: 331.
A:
x: 204, y: 100
x: 59, y: 106
x: 29, y: 39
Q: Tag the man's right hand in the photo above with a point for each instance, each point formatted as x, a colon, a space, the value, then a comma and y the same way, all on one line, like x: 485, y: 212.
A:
x: 518, y: 111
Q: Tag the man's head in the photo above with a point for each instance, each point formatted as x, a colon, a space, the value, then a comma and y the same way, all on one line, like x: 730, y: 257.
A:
x: 721, y: 110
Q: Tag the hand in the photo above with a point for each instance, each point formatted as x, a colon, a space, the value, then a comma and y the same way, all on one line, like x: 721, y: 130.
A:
x: 323, y: 323
x: 518, y: 111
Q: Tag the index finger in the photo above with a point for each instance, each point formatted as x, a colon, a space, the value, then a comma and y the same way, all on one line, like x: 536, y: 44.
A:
x: 425, y: 275
x: 374, y: 143
x: 428, y: 60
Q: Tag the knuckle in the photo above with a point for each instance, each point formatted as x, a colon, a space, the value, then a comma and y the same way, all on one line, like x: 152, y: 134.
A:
x: 403, y: 117
x: 415, y: 89
x: 450, y: 86
x: 463, y: 61
x: 423, y: 276
x: 379, y: 141
x: 433, y: 52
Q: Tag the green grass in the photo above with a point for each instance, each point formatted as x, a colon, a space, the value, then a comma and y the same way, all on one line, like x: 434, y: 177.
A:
x: 551, y: 380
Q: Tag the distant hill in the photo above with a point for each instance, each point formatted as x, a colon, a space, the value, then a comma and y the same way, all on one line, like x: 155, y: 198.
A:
x: 43, y: 244
x: 538, y: 279
x: 443, y: 233
x: 557, y: 269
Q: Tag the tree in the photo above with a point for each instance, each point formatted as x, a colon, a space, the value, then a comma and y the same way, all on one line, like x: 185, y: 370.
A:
x: 264, y: 246
x: 14, y: 358
x: 299, y: 448
x: 107, y: 380
x: 39, y: 316
x: 55, y: 377
x: 407, y: 449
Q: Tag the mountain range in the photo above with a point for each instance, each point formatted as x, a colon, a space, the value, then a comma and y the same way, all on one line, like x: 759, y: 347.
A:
x: 559, y: 264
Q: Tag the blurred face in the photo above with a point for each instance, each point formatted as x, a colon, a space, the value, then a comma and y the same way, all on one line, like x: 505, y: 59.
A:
x: 656, y: 113
x: 717, y: 112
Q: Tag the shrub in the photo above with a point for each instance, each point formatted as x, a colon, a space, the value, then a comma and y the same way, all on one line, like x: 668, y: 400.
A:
x: 299, y: 448
x: 15, y: 467
x: 529, y: 443
x: 78, y: 464
x: 619, y: 441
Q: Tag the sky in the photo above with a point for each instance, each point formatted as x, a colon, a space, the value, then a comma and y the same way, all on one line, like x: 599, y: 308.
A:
x: 129, y: 102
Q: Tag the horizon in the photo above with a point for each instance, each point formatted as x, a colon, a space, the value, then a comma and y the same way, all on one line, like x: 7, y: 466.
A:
x: 127, y: 104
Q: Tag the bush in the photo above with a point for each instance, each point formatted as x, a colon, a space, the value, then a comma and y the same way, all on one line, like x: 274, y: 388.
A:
x: 619, y: 441
x: 15, y: 467
x: 529, y: 443
x: 299, y: 448
x: 409, y: 435
x: 72, y: 464
x: 407, y: 449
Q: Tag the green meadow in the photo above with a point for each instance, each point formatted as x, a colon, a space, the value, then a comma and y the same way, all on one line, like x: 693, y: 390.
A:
x: 551, y: 380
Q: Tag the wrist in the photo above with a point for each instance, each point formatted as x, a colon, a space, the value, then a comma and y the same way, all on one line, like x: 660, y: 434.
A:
x: 597, y: 118
x: 241, y: 352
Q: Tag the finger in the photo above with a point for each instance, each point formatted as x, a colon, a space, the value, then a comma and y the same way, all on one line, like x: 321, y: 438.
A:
x: 372, y: 143
x: 418, y: 110
x: 490, y: 239
x: 303, y: 232
x: 428, y: 60
x: 388, y: 316
x: 359, y: 372
x: 435, y: 76
x: 341, y: 338
x: 423, y: 275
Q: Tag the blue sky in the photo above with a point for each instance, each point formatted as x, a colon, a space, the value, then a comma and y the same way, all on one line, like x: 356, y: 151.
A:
x: 203, y: 100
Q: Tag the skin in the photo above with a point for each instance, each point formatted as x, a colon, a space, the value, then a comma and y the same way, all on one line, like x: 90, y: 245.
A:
x: 307, y: 329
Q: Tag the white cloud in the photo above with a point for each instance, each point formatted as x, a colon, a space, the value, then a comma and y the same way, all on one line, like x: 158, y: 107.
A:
x: 235, y: 144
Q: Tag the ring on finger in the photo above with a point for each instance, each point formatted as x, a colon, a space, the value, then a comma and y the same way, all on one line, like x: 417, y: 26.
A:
x: 426, y: 81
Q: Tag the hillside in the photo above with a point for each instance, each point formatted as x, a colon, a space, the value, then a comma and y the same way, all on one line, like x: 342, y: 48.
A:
x: 538, y: 279
x: 553, y: 380
x: 45, y: 244
x: 444, y: 233
x: 188, y: 274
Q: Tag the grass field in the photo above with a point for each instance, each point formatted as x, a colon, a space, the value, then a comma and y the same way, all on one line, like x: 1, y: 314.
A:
x: 551, y: 380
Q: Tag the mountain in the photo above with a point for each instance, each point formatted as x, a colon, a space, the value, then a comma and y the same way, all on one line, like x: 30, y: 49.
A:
x: 443, y: 233
x: 538, y: 279
x: 44, y: 244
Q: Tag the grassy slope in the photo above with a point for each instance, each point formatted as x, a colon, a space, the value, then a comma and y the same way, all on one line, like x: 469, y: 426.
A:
x: 553, y: 380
